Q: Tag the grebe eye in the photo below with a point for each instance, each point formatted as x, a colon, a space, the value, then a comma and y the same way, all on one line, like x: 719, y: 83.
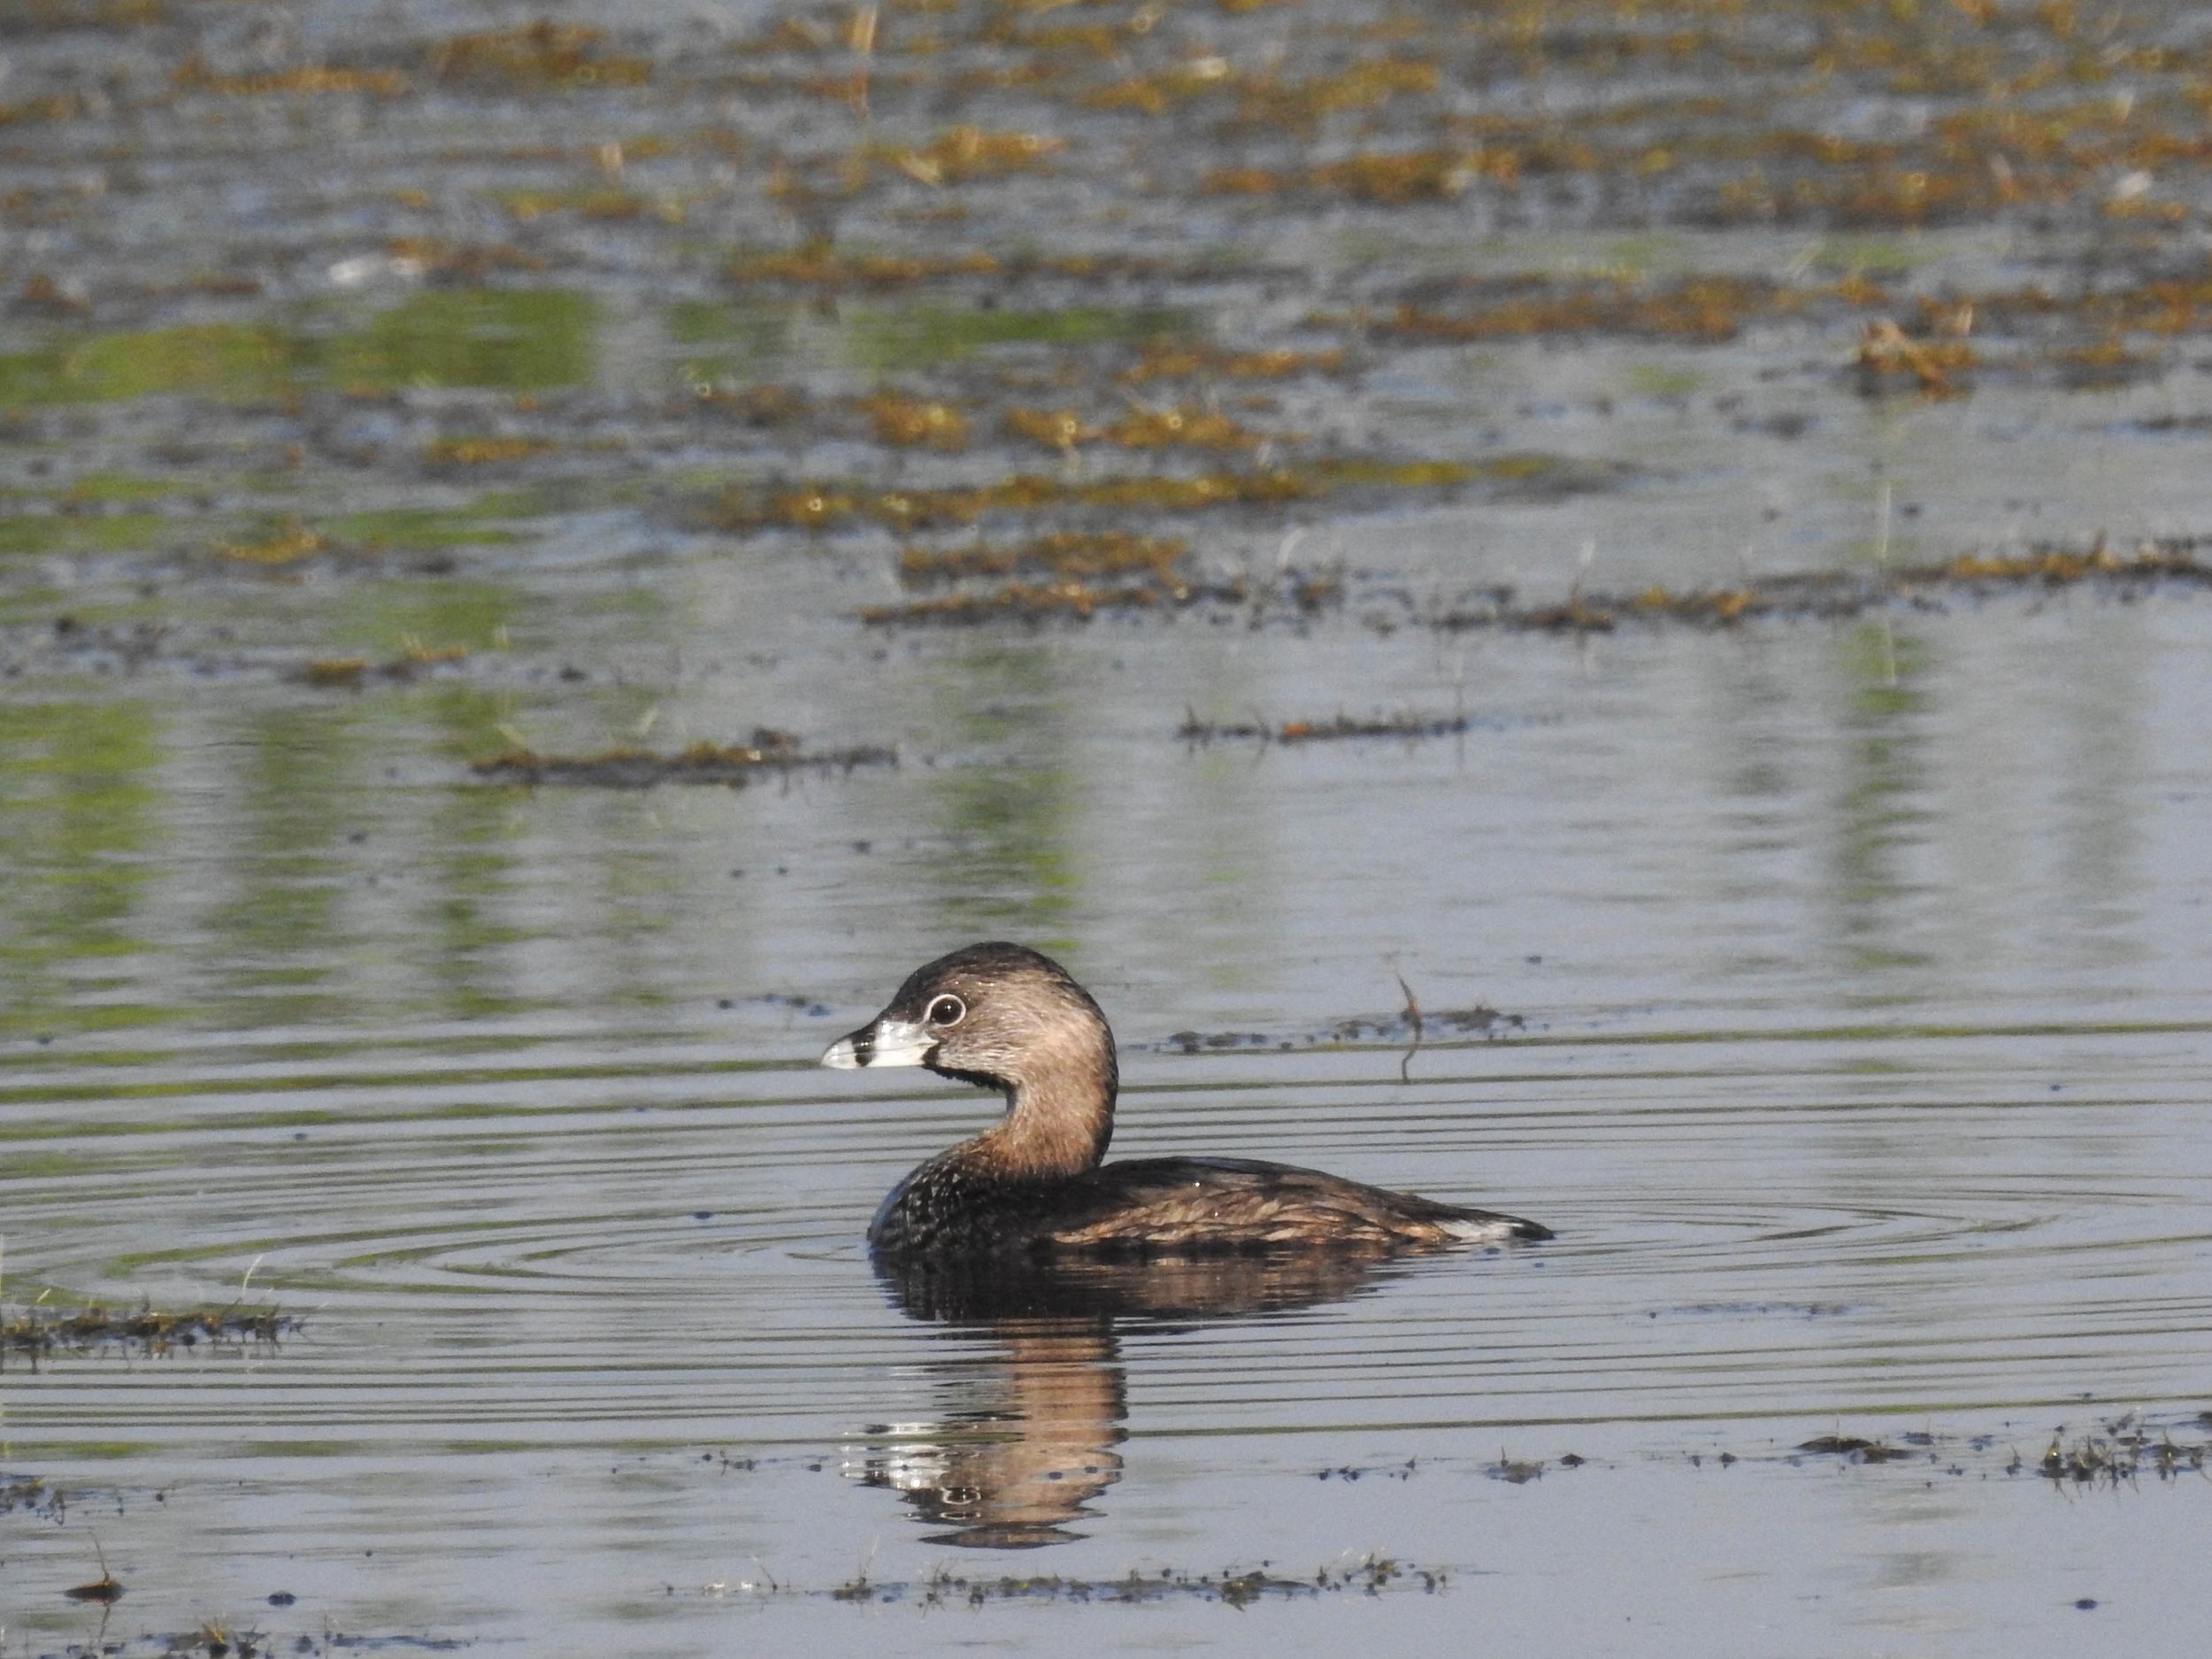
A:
x: 946, y: 1010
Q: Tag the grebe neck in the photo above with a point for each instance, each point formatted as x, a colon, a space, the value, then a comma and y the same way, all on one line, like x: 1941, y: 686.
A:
x: 1059, y: 1113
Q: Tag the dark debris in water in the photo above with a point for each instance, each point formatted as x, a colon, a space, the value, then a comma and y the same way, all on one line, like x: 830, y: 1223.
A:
x: 217, y: 1639
x: 1194, y: 730
x: 1857, y: 1449
x: 732, y: 765
x: 1516, y: 1471
x: 72, y: 644
x: 1373, y: 1576
x: 29, y: 1493
x: 38, y: 1332
x: 1356, y: 1471
x: 1068, y: 556
x: 1076, y: 575
x: 1035, y: 602
x: 2120, y: 1451
x: 1413, y: 1023
x: 1168, y: 584
x: 2172, y: 561
x: 1477, y: 1021
x: 2115, y: 1452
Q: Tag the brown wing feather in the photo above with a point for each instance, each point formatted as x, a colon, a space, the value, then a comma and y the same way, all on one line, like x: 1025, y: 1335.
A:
x: 1169, y: 1204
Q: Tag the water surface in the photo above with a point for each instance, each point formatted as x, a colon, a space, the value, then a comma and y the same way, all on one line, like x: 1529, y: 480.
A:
x: 1835, y: 985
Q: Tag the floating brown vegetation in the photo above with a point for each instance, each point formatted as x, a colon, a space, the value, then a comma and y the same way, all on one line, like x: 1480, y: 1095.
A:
x: 2107, y: 362
x: 62, y: 106
x: 43, y: 293
x: 1886, y: 351
x: 37, y: 1332
x: 829, y: 506
x: 1301, y: 105
x: 970, y: 152
x: 908, y: 421
x: 825, y: 508
x: 291, y: 542
x: 350, y: 674
x: 1911, y: 342
x: 1878, y: 198
x: 1054, y: 428
x: 1142, y: 428
x: 86, y: 14
x: 1166, y: 360
x: 1706, y: 309
x: 605, y: 203
x: 733, y: 766
x: 819, y: 265
x: 540, y: 54
x: 1845, y: 593
x: 1724, y: 163
x: 1076, y: 561
x: 1156, y: 94
x: 1194, y: 730
x: 1388, y: 178
x: 1417, y: 176
x: 771, y: 403
x: 1185, y: 425
x: 1028, y: 601
x: 193, y: 75
x: 483, y: 451
x: 1067, y: 554
x: 464, y: 262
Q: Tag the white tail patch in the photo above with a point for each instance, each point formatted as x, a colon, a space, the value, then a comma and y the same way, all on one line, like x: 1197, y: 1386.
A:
x: 1496, y: 1232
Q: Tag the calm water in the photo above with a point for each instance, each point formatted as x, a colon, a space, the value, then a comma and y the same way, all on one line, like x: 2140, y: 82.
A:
x: 1857, y: 969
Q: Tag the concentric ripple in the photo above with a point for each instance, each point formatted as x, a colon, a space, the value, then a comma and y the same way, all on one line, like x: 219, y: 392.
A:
x: 664, y: 1243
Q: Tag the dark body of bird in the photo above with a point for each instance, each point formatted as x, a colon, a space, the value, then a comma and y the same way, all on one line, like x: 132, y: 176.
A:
x: 1003, y: 1016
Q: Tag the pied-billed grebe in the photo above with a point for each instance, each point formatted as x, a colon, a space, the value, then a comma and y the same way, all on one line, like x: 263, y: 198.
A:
x: 1003, y: 1016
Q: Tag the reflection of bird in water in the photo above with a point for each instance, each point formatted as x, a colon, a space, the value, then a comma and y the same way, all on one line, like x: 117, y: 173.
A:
x: 1005, y: 1018
x: 1159, y: 1292
x: 1024, y: 1436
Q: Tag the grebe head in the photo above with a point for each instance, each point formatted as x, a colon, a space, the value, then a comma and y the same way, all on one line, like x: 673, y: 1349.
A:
x: 997, y: 1015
